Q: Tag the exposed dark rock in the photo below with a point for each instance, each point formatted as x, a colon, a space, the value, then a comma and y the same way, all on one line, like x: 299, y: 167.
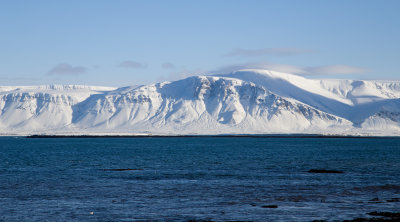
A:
x: 213, y: 221
x: 373, y: 220
x: 394, y: 200
x: 199, y: 221
x: 324, y: 171
x: 391, y: 187
x: 385, y: 214
x: 127, y: 169
x: 269, y: 206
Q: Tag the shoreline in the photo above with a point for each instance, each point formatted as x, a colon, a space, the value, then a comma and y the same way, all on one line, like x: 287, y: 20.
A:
x: 310, y: 136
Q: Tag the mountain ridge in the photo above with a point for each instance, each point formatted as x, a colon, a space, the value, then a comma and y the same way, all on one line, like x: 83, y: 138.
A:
x: 242, y: 102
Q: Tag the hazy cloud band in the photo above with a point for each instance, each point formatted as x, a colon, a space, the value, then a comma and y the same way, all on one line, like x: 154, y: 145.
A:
x: 268, y: 51
x: 67, y: 69
x: 317, y: 70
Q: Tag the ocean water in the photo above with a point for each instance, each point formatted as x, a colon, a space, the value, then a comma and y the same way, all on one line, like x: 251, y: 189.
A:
x: 197, y: 178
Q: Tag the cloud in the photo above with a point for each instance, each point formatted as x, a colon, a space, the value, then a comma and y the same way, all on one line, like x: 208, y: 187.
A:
x: 268, y: 51
x: 334, y: 69
x: 176, y: 75
x: 168, y: 65
x: 132, y: 65
x: 67, y: 69
x: 269, y: 66
x: 316, y: 70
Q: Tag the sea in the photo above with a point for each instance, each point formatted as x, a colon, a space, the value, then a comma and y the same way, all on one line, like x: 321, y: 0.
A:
x: 197, y: 178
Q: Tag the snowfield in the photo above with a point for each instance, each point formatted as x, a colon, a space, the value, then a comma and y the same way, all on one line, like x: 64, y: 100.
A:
x: 242, y: 102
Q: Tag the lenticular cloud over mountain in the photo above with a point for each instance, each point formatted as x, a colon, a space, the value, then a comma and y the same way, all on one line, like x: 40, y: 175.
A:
x: 242, y: 102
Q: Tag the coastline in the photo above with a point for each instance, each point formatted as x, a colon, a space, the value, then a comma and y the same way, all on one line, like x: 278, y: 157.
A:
x: 308, y: 136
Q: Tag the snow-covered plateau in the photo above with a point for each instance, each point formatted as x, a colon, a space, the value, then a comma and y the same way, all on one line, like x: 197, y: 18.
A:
x: 243, y: 102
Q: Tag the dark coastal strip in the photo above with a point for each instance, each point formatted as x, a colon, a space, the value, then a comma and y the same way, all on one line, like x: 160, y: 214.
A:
x: 311, y: 136
x: 122, y: 169
x: 324, y: 171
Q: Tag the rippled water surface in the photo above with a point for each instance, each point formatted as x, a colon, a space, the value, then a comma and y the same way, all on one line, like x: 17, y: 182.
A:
x: 198, y: 178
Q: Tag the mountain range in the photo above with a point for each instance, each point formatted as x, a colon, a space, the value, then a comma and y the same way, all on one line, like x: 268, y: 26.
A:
x: 242, y: 102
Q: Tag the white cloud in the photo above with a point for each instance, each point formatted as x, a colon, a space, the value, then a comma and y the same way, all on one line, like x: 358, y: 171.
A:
x: 334, y: 69
x: 270, y: 66
x: 132, y: 64
x: 67, y: 69
x: 176, y: 75
x: 268, y: 51
x: 317, y: 70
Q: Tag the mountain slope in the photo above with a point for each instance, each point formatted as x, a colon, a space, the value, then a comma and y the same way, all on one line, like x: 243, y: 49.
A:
x: 202, y: 104
x: 354, y: 100
x: 41, y: 108
x: 242, y: 102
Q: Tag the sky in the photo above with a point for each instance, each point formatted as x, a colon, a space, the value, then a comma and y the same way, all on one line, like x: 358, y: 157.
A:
x: 127, y: 42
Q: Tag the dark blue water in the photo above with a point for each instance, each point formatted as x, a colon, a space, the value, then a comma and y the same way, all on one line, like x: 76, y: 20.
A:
x: 196, y: 179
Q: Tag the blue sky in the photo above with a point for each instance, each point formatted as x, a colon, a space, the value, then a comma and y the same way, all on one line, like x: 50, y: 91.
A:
x: 118, y: 43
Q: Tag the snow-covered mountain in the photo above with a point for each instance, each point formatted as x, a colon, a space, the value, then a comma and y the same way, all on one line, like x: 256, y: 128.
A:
x: 242, y: 102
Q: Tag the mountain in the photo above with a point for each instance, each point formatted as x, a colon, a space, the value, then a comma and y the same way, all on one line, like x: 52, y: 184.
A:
x: 242, y: 102
x: 31, y: 109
